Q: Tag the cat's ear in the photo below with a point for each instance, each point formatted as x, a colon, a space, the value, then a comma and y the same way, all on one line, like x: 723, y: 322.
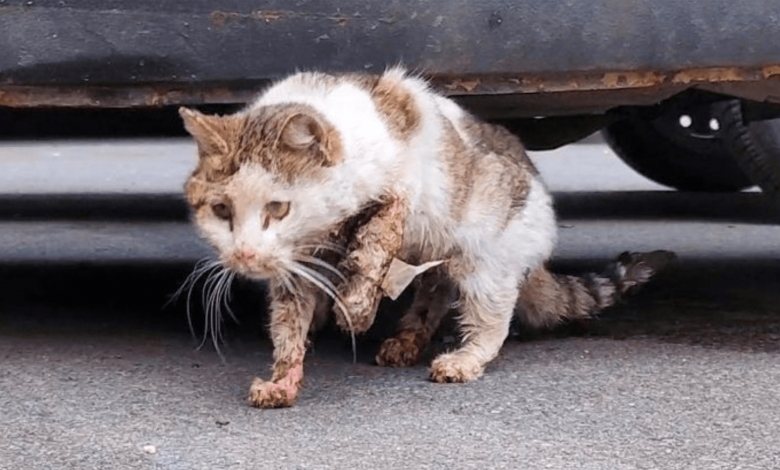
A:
x: 303, y: 132
x: 210, y: 132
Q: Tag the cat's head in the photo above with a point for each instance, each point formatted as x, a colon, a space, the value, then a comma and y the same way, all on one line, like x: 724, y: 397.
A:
x: 258, y: 193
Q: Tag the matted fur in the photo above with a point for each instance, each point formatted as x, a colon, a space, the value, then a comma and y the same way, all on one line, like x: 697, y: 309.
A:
x: 277, y: 183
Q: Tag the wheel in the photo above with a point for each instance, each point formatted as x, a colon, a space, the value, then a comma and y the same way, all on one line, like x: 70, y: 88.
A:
x: 684, y: 148
x: 756, y: 148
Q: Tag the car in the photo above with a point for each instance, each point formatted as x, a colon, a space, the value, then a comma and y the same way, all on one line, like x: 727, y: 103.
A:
x: 686, y: 92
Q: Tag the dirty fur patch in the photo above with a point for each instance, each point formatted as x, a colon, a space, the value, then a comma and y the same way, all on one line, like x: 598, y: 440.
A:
x: 291, y: 141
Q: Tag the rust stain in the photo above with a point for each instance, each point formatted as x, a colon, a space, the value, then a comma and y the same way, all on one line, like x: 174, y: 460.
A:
x: 715, y: 74
x: 598, y: 81
x: 631, y: 79
x: 340, y: 20
x: 270, y: 16
x: 770, y: 71
x: 217, y: 18
x: 221, y: 18
x: 16, y: 96
x: 573, y: 84
x: 468, y: 85
x: 532, y: 83
x: 172, y: 93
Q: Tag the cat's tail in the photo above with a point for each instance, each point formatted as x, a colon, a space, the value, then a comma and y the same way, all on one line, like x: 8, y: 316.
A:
x: 546, y: 298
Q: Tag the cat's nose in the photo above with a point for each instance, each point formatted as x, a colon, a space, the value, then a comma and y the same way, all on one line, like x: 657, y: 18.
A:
x: 245, y: 254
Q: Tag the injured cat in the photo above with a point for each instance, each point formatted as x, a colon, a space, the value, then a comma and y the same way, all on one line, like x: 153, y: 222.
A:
x: 325, y: 182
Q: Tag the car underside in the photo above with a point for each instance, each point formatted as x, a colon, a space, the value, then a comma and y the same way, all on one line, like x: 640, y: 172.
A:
x: 685, y: 92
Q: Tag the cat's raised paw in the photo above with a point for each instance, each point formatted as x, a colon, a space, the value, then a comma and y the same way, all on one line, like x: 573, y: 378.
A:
x: 281, y: 394
x: 360, y: 296
x: 455, y: 368
x: 399, y: 351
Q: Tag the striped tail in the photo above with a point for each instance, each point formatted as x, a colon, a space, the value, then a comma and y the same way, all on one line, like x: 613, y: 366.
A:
x: 547, y: 299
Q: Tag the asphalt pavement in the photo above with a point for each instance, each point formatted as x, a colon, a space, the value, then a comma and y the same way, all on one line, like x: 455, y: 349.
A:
x: 99, y: 369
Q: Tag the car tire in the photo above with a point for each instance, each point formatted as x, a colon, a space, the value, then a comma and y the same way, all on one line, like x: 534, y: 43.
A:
x: 756, y: 148
x: 663, y: 150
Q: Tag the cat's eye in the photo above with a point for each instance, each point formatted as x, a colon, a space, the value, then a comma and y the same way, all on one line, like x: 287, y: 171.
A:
x: 276, y: 210
x: 222, y: 211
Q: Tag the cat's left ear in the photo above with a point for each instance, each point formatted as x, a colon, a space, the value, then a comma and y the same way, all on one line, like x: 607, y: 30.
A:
x: 306, y: 133
x: 210, y: 132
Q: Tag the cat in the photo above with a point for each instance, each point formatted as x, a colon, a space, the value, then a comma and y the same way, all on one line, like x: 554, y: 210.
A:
x: 282, y: 189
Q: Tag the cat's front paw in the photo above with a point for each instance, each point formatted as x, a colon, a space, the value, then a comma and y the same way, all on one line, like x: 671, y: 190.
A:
x: 399, y: 351
x: 279, y: 394
x: 360, y: 296
x: 264, y: 394
x: 455, y: 368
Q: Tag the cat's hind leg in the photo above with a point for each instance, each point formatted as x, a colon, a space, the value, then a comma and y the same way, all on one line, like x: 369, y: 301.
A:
x: 291, y: 317
x: 432, y: 299
x: 496, y: 253
x: 486, y: 305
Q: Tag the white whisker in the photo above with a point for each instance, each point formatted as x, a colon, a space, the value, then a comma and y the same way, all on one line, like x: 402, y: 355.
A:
x: 228, y: 297
x: 330, y: 246
x: 207, y: 296
x: 322, y: 264
x: 288, y: 282
x: 218, y: 300
x: 294, y: 289
x: 216, y: 296
x: 201, y: 268
x: 296, y: 286
x: 223, y: 287
x: 328, y: 288
x: 318, y: 279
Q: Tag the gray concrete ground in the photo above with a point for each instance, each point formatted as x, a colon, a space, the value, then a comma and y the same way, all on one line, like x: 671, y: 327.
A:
x: 96, y: 371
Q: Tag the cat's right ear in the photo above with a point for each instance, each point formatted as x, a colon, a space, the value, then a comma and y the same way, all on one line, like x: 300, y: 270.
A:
x: 302, y: 132
x: 208, y: 131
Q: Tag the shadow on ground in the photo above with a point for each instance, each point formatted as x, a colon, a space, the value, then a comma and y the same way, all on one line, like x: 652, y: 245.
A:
x: 716, y: 303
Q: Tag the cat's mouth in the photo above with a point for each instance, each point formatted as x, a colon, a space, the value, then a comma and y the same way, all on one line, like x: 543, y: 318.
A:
x: 254, y: 268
